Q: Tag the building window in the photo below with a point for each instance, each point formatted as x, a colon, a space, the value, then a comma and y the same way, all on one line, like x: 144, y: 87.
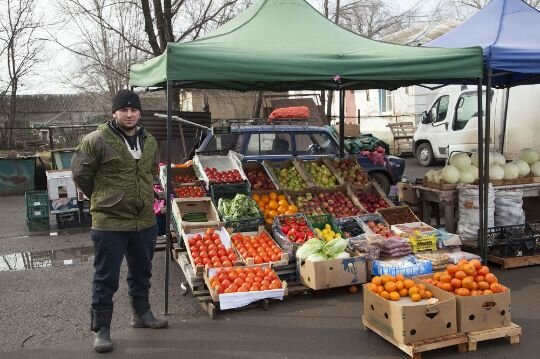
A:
x: 386, y: 103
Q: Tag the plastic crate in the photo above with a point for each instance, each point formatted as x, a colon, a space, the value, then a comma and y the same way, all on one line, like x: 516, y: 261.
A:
x: 412, y: 269
x: 37, y: 224
x: 512, y: 241
x: 427, y: 243
x: 534, y: 228
x: 228, y: 191
x: 68, y: 220
x: 244, y: 225
x: 37, y: 205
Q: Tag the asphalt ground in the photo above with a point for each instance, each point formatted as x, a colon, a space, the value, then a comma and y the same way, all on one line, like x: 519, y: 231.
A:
x: 44, y: 313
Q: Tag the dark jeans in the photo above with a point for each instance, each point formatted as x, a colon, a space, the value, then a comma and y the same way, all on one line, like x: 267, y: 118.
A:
x: 110, y: 248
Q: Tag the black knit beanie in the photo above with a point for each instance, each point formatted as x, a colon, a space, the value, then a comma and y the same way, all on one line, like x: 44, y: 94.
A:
x: 126, y: 98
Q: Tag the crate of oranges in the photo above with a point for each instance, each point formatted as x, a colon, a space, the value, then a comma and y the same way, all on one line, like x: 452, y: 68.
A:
x: 274, y: 203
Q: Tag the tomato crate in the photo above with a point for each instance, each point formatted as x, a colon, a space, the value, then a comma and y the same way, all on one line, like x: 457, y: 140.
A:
x: 37, y: 224
x: 512, y: 241
x: 281, y: 259
x: 177, y: 174
x: 220, y: 163
x: 191, y: 190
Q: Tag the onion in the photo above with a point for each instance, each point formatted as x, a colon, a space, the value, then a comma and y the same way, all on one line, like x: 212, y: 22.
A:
x: 523, y: 166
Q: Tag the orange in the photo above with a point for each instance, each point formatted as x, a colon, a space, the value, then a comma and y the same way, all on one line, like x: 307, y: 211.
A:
x: 394, y: 296
x: 371, y: 287
x: 479, y: 278
x: 467, y: 282
x: 293, y: 208
x: 288, y: 213
x: 390, y: 287
x: 385, y: 278
x: 256, y: 197
x: 483, y: 270
x: 272, y: 204
x: 404, y: 292
x: 269, y: 220
x: 408, y: 283
x: 399, y: 285
x: 281, y: 209
x: 491, y: 278
x: 281, y: 197
x: 487, y: 291
x: 416, y: 297
x: 496, y: 287
x: 429, y: 295
x: 421, y: 286
x: 272, y: 213
x: 452, y: 269
x: 273, y: 195
x: 475, y: 263
x: 265, y: 198
x: 456, y: 283
x: 400, y: 277
x: 385, y: 294
x: 447, y: 287
x: 446, y: 278
x: 376, y: 280
x: 422, y: 293
x: 437, y: 276
x: 380, y: 289
x: 413, y: 290
x: 283, y: 202
x: 463, y: 292
x: 460, y: 274
x: 469, y: 269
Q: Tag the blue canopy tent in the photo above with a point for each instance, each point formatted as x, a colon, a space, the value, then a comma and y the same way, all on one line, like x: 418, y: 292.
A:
x: 509, y: 33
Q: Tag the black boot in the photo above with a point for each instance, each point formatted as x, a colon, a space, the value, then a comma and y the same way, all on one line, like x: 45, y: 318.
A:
x: 143, y: 316
x: 101, y: 326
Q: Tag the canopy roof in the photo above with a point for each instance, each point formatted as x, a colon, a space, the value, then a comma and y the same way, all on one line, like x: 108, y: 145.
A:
x: 509, y: 33
x: 288, y: 45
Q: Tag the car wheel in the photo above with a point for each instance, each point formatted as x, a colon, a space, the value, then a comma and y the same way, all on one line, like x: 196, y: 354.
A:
x: 382, y: 180
x: 424, y: 154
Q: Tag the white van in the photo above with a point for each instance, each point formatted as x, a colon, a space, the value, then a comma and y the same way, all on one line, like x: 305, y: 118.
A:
x: 451, y: 122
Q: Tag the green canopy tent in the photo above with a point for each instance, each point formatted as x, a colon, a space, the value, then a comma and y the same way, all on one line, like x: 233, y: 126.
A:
x: 281, y: 45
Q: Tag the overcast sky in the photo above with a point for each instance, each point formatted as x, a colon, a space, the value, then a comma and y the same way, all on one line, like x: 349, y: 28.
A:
x: 59, y: 62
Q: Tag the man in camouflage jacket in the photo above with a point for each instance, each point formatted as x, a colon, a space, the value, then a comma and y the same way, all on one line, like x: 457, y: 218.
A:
x: 115, y: 166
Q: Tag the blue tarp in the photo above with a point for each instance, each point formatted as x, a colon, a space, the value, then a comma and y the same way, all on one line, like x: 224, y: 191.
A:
x: 509, y: 33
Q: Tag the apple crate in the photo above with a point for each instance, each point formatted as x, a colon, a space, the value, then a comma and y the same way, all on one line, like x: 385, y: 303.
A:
x: 271, y: 168
x: 284, y: 257
x: 335, y: 163
x: 372, y: 197
x: 257, y: 167
x: 221, y: 163
x: 375, y: 217
x: 316, y: 192
x: 320, y: 162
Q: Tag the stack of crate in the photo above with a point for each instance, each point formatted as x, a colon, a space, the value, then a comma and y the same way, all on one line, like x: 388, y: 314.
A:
x: 37, y: 210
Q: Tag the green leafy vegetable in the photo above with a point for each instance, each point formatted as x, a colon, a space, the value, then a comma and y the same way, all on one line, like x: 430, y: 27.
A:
x: 241, y: 206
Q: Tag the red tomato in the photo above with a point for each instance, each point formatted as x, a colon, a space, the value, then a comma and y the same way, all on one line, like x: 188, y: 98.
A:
x: 227, y: 263
x: 192, y: 242
x: 210, y: 231
x: 226, y: 283
x: 206, y: 261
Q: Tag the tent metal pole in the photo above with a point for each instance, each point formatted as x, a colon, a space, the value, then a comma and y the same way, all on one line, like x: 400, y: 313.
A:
x: 170, y: 94
x: 341, y: 123
x: 503, y: 129
x: 480, y: 165
x: 487, y: 140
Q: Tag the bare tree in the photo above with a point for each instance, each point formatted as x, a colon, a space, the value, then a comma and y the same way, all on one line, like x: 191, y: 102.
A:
x: 20, y: 51
x: 464, y: 8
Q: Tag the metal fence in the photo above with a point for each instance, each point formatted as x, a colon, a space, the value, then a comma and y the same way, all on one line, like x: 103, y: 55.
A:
x: 30, y: 139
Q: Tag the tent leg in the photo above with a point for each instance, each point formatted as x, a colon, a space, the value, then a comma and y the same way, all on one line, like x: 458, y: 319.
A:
x: 170, y: 95
x: 482, y: 180
x: 341, y: 123
x: 486, y: 164
x: 503, y: 129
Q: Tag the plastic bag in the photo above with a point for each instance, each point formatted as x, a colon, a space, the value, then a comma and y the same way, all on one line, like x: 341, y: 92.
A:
x: 509, y: 208
x: 469, y: 213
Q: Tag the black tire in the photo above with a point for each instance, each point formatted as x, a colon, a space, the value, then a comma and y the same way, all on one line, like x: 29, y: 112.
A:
x: 382, y: 180
x: 424, y: 154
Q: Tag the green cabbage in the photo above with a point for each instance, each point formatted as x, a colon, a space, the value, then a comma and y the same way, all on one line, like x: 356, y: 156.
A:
x: 316, y: 257
x: 312, y: 246
x: 335, y: 247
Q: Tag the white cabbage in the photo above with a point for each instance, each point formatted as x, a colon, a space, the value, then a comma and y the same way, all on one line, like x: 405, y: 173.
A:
x: 496, y: 172
x: 460, y: 161
x: 498, y: 159
x: 450, y: 174
x: 528, y: 155
x: 511, y: 171
x: 466, y: 176
x: 474, y: 170
x: 535, y: 169
x: 523, y: 166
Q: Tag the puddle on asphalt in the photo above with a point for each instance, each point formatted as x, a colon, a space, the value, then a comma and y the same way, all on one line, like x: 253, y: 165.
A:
x: 48, y: 258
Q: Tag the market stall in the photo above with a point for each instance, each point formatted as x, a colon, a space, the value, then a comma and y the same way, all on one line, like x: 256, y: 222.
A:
x: 235, y: 57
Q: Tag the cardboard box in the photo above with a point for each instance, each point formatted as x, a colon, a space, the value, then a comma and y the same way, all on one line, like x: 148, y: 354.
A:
x: 409, y: 322
x: 332, y: 273
x: 407, y: 193
x: 351, y: 129
x: 62, y: 191
x: 483, y: 312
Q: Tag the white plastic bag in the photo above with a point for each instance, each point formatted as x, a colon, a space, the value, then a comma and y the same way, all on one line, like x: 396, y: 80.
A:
x: 469, y: 213
x: 509, y: 208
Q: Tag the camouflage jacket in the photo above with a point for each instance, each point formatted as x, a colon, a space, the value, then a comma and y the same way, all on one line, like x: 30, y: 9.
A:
x: 119, y: 187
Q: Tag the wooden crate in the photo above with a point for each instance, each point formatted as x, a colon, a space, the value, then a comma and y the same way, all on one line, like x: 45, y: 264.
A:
x: 402, y: 133
x: 415, y: 350
x: 342, y: 188
x: 372, y: 188
x: 512, y: 333
x: 250, y: 166
x: 515, y: 262
x: 272, y: 166
x: 330, y: 163
x: 181, y: 206
x: 304, y: 163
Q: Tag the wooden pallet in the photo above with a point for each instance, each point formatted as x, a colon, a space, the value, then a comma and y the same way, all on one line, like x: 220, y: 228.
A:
x: 516, y: 262
x: 193, y: 282
x: 512, y: 333
x: 415, y: 350
x: 212, y: 308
